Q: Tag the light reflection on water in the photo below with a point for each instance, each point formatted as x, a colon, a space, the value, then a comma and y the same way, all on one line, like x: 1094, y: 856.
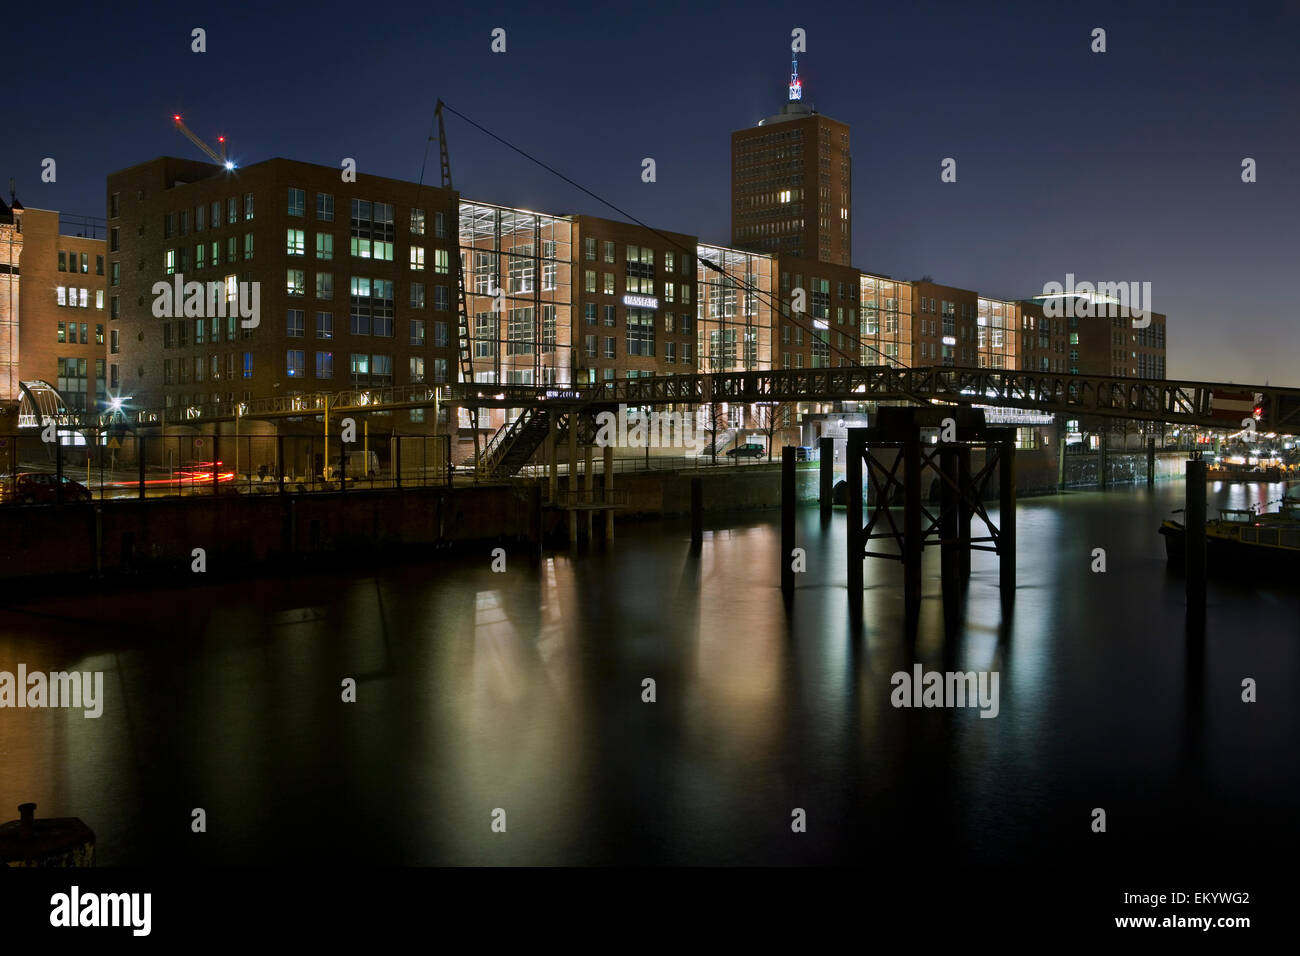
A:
x: 523, y: 691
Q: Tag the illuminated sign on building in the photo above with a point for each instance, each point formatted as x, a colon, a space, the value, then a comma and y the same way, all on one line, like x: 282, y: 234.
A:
x: 796, y: 87
x: 949, y: 340
x: 641, y: 301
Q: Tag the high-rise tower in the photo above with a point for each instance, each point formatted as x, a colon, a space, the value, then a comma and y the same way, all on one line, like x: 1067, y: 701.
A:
x: 791, y: 190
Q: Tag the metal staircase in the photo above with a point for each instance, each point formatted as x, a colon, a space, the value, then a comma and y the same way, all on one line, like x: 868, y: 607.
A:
x: 515, y: 443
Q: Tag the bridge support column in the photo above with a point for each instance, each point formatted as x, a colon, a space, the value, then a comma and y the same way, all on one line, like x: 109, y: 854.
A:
x: 609, y: 498
x: 1102, y: 458
x: 553, y: 473
x: 964, y: 514
x: 539, y: 524
x: 826, y: 487
x: 1194, y: 542
x: 1060, y: 453
x: 588, y: 485
x: 950, y: 479
x: 1151, y: 462
x: 572, y: 483
x: 912, y: 542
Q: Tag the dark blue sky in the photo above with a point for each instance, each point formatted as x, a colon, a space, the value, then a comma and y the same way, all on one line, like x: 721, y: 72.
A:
x: 1123, y: 166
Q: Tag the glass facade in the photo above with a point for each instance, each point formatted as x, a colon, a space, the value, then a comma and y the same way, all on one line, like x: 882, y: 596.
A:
x: 733, y: 309
x: 518, y: 275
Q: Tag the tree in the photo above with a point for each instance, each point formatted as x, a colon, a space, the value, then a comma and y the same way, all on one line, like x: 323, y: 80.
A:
x: 777, y: 415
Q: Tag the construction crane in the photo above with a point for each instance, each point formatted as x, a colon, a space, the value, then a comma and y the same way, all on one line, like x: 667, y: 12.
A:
x: 466, y: 358
x: 188, y: 133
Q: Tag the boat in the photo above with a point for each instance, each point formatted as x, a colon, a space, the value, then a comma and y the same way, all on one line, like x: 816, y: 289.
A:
x: 1243, y: 541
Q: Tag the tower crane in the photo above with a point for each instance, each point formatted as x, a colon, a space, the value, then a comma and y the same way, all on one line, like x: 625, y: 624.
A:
x: 219, y: 158
x: 465, y: 344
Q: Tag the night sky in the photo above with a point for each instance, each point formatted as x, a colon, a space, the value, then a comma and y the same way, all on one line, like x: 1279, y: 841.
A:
x: 1122, y: 166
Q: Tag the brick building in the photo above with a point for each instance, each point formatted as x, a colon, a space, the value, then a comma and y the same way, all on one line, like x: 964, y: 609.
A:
x: 635, y: 302
x: 947, y: 325
x: 355, y: 282
x: 53, y: 320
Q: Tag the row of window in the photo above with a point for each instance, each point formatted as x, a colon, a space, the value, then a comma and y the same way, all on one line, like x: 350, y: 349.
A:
x: 679, y: 322
x: 67, y: 332
x: 367, y: 368
x: 366, y: 215
x: 637, y: 255
x: 178, y: 223
x: 68, y: 262
x: 640, y: 343
x: 637, y: 285
x: 78, y: 298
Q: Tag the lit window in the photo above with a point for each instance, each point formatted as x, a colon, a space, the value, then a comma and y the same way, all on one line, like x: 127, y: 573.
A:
x: 417, y: 258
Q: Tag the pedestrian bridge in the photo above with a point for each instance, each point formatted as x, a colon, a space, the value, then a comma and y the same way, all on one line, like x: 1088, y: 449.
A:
x: 1176, y: 402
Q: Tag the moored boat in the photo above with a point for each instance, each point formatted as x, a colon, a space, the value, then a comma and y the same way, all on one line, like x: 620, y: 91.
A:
x: 1242, y: 541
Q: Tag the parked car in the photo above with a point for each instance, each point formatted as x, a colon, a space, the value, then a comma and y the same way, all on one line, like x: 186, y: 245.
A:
x: 803, y: 453
x: 40, y: 488
x: 750, y: 450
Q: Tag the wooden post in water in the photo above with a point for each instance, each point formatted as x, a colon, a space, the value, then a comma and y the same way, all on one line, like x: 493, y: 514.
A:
x: 697, y: 508
x: 1194, y: 541
x: 827, y: 475
x: 1007, y: 518
x: 853, y: 460
x: 787, y: 519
